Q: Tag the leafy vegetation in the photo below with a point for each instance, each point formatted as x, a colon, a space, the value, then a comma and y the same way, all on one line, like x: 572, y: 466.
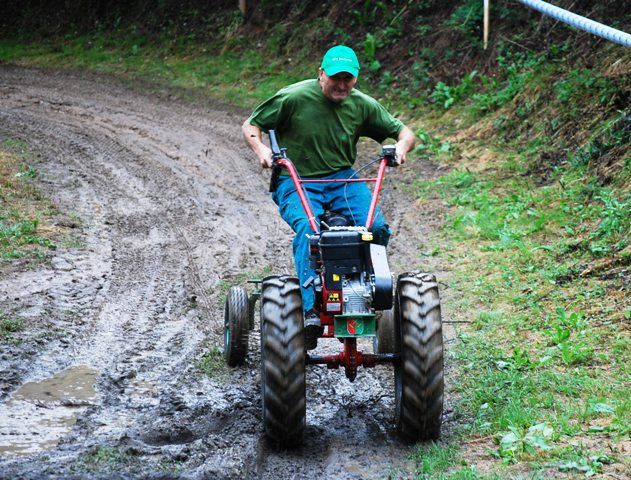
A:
x: 23, y: 209
x: 446, y: 96
x: 541, y: 255
x: 102, y: 457
x: 213, y: 364
x: 8, y: 327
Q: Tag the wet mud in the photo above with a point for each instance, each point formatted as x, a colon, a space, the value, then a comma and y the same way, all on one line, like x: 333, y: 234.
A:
x: 171, y: 209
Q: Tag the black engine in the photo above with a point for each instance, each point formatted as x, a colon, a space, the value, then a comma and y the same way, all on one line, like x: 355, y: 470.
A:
x: 354, y: 273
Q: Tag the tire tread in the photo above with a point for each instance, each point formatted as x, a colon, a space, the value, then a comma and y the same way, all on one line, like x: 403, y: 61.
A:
x: 283, y: 360
x: 420, y: 404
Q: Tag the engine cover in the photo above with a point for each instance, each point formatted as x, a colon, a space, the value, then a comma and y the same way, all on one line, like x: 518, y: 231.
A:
x: 382, y: 298
x: 354, y: 267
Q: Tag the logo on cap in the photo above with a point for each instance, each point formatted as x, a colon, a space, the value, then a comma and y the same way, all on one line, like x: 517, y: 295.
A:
x: 340, y: 59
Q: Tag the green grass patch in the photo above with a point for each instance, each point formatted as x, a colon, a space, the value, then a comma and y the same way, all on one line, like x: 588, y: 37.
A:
x: 25, y: 215
x: 244, y: 78
x: 435, y: 458
x: 547, y: 332
x: 436, y: 461
x: 537, y: 238
x: 9, y: 326
x: 213, y: 364
x: 101, y: 458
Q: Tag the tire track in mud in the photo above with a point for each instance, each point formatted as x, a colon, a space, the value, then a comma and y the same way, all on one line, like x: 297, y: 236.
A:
x: 171, y: 205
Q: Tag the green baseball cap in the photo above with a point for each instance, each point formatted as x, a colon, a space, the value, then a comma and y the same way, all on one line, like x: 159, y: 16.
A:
x: 340, y: 59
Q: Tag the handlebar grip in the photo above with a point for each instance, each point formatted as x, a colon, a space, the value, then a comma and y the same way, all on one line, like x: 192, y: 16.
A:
x: 274, y: 143
x: 276, y: 154
x: 389, y: 152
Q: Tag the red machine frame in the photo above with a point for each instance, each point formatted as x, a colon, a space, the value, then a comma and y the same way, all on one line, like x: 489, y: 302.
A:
x: 293, y: 173
x: 350, y: 358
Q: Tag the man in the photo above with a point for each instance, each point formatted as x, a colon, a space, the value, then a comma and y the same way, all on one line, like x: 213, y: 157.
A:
x: 319, y: 122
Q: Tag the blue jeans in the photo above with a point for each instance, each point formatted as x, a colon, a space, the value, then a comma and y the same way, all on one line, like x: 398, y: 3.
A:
x: 349, y: 199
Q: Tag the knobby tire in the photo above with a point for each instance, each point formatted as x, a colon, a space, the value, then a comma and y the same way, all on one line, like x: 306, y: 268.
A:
x: 283, y: 384
x: 419, y: 377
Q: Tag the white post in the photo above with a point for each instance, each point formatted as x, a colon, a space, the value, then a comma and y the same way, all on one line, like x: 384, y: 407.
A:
x: 487, y: 4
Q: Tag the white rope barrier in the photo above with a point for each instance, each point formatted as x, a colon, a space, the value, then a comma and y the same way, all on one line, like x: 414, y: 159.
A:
x: 579, y: 22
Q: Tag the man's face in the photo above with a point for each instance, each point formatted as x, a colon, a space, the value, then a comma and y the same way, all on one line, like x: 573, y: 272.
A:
x: 337, y: 87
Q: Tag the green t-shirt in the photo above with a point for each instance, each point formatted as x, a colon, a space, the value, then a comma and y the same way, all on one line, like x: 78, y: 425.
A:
x: 320, y: 135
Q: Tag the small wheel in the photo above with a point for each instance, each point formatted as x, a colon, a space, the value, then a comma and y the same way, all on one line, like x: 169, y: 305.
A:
x: 419, y: 380
x: 235, y: 327
x: 283, y: 384
x: 387, y: 339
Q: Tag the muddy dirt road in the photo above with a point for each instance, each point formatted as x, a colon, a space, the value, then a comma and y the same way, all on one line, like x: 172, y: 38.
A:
x: 170, y: 205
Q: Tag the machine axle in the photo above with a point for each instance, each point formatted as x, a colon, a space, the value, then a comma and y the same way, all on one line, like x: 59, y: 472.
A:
x: 350, y: 358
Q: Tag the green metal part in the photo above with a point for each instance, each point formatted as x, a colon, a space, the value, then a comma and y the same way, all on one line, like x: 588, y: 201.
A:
x: 354, y: 325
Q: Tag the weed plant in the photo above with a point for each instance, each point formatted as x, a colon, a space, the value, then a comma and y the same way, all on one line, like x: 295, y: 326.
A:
x: 102, y: 458
x: 213, y: 364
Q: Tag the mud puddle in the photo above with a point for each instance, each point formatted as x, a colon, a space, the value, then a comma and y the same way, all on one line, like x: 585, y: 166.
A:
x: 40, y: 413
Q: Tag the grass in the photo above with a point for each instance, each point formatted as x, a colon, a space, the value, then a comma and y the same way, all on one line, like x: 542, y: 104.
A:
x: 26, y: 230
x: 436, y: 461
x: 539, y: 271
x: 8, y: 327
x: 103, y: 457
x: 213, y: 364
x: 242, y: 79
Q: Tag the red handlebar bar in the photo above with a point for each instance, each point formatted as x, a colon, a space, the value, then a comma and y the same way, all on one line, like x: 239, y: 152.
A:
x: 297, y: 181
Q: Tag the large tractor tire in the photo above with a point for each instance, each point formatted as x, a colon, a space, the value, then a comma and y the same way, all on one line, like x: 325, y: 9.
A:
x: 236, y: 326
x: 419, y: 376
x: 283, y: 385
x: 388, y: 333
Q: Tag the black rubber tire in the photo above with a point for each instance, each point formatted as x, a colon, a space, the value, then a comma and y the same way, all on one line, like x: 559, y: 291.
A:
x: 236, y: 326
x: 419, y: 382
x: 388, y: 333
x: 283, y: 383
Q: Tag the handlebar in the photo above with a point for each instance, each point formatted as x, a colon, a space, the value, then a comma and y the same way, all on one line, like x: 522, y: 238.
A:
x: 388, y: 153
x: 387, y: 158
x: 277, y: 154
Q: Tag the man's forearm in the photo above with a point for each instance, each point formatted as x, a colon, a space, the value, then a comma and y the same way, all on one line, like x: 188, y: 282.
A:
x: 253, y: 138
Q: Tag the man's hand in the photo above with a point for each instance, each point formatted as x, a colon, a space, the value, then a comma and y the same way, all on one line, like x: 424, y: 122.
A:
x: 405, y: 143
x: 252, y: 135
x: 401, y: 153
x: 265, y: 156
